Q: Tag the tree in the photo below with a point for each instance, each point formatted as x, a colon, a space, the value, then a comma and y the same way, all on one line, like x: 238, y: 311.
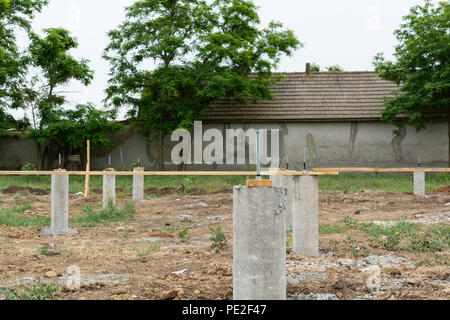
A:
x: 72, y: 128
x: 201, y: 52
x: 421, y: 68
x: 15, y: 16
x: 54, y: 67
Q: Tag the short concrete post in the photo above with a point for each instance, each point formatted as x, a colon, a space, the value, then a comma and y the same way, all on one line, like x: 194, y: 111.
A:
x: 306, y: 216
x: 288, y: 183
x: 60, y: 207
x: 138, y: 185
x: 109, y: 189
x: 259, y: 243
x: 419, y: 183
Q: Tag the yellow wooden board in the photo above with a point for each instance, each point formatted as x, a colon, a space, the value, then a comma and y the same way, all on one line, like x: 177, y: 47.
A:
x: 166, y: 173
x: 386, y: 170
x: 259, y: 183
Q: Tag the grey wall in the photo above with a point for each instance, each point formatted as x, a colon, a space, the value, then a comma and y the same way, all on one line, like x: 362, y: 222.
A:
x: 329, y: 144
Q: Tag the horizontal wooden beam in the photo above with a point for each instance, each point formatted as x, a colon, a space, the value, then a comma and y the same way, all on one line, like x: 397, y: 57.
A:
x: 164, y: 173
x: 259, y: 183
x: 443, y: 170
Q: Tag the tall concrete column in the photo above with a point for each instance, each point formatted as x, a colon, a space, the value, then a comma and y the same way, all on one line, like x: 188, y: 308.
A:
x: 138, y: 185
x: 419, y: 183
x: 259, y: 243
x: 288, y: 183
x: 60, y: 207
x: 109, y: 189
x: 306, y: 216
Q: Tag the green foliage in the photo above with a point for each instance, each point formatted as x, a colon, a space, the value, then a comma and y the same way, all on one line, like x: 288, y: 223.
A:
x: 54, y: 66
x: 15, y: 16
x: 335, y: 68
x: 202, y: 52
x: 315, y: 67
x: 37, y: 291
x: 218, y: 238
x: 74, y: 127
x: 94, y: 217
x: 421, y: 68
x: 29, y: 167
x: 184, y: 235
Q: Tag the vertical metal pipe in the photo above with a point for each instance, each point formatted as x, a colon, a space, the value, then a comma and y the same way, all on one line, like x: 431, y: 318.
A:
x: 258, y: 156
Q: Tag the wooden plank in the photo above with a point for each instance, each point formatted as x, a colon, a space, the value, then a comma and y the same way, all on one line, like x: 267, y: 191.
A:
x: 259, y: 183
x: 381, y: 170
x: 165, y: 173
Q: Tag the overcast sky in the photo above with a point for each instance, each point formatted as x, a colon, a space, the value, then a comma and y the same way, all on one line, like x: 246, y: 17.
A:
x: 345, y: 32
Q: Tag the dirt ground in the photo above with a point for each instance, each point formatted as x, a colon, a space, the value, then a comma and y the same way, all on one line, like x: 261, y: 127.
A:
x: 139, y: 259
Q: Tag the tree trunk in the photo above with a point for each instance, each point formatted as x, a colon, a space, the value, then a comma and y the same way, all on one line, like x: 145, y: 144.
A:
x: 39, y: 157
x: 161, y: 150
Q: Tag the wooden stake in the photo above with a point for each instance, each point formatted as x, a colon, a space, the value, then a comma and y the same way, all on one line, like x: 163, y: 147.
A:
x: 88, y: 169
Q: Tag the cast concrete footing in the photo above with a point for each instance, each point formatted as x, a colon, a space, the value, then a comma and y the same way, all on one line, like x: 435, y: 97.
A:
x: 60, y: 207
x: 288, y: 183
x: 138, y: 185
x: 259, y: 243
x: 306, y: 215
x: 109, y: 189
x: 419, y: 183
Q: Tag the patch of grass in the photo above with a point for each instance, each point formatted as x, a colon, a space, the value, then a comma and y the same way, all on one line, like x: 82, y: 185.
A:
x: 405, y: 236
x: 382, y: 181
x: 218, y: 238
x: 37, y: 291
x: 94, y: 217
x: 9, y: 217
x: 345, y: 181
x: 184, y: 235
x: 332, y: 229
x: 154, y: 247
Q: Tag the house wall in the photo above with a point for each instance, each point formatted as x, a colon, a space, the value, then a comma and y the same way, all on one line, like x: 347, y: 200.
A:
x: 329, y: 144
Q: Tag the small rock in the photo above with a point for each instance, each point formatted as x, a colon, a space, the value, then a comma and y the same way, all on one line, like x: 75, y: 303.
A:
x: 169, y: 295
x: 357, y: 212
x: 383, y: 296
x: 395, y: 273
x: 120, y: 291
x: 51, y: 274
x: 66, y: 288
x: 185, y: 218
x: 447, y: 204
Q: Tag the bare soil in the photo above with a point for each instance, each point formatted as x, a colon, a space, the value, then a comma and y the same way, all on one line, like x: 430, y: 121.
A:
x: 137, y: 259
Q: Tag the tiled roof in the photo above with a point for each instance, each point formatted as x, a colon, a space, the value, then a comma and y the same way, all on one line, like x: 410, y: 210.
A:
x: 318, y: 96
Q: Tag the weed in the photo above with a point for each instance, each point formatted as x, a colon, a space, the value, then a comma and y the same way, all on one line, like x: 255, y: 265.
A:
x: 218, y: 238
x: 38, y: 291
x: 184, y: 235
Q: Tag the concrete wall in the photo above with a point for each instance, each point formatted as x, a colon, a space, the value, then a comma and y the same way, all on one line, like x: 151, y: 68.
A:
x: 329, y: 144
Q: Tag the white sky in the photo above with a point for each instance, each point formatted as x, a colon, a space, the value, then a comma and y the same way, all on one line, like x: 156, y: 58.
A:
x: 345, y: 32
